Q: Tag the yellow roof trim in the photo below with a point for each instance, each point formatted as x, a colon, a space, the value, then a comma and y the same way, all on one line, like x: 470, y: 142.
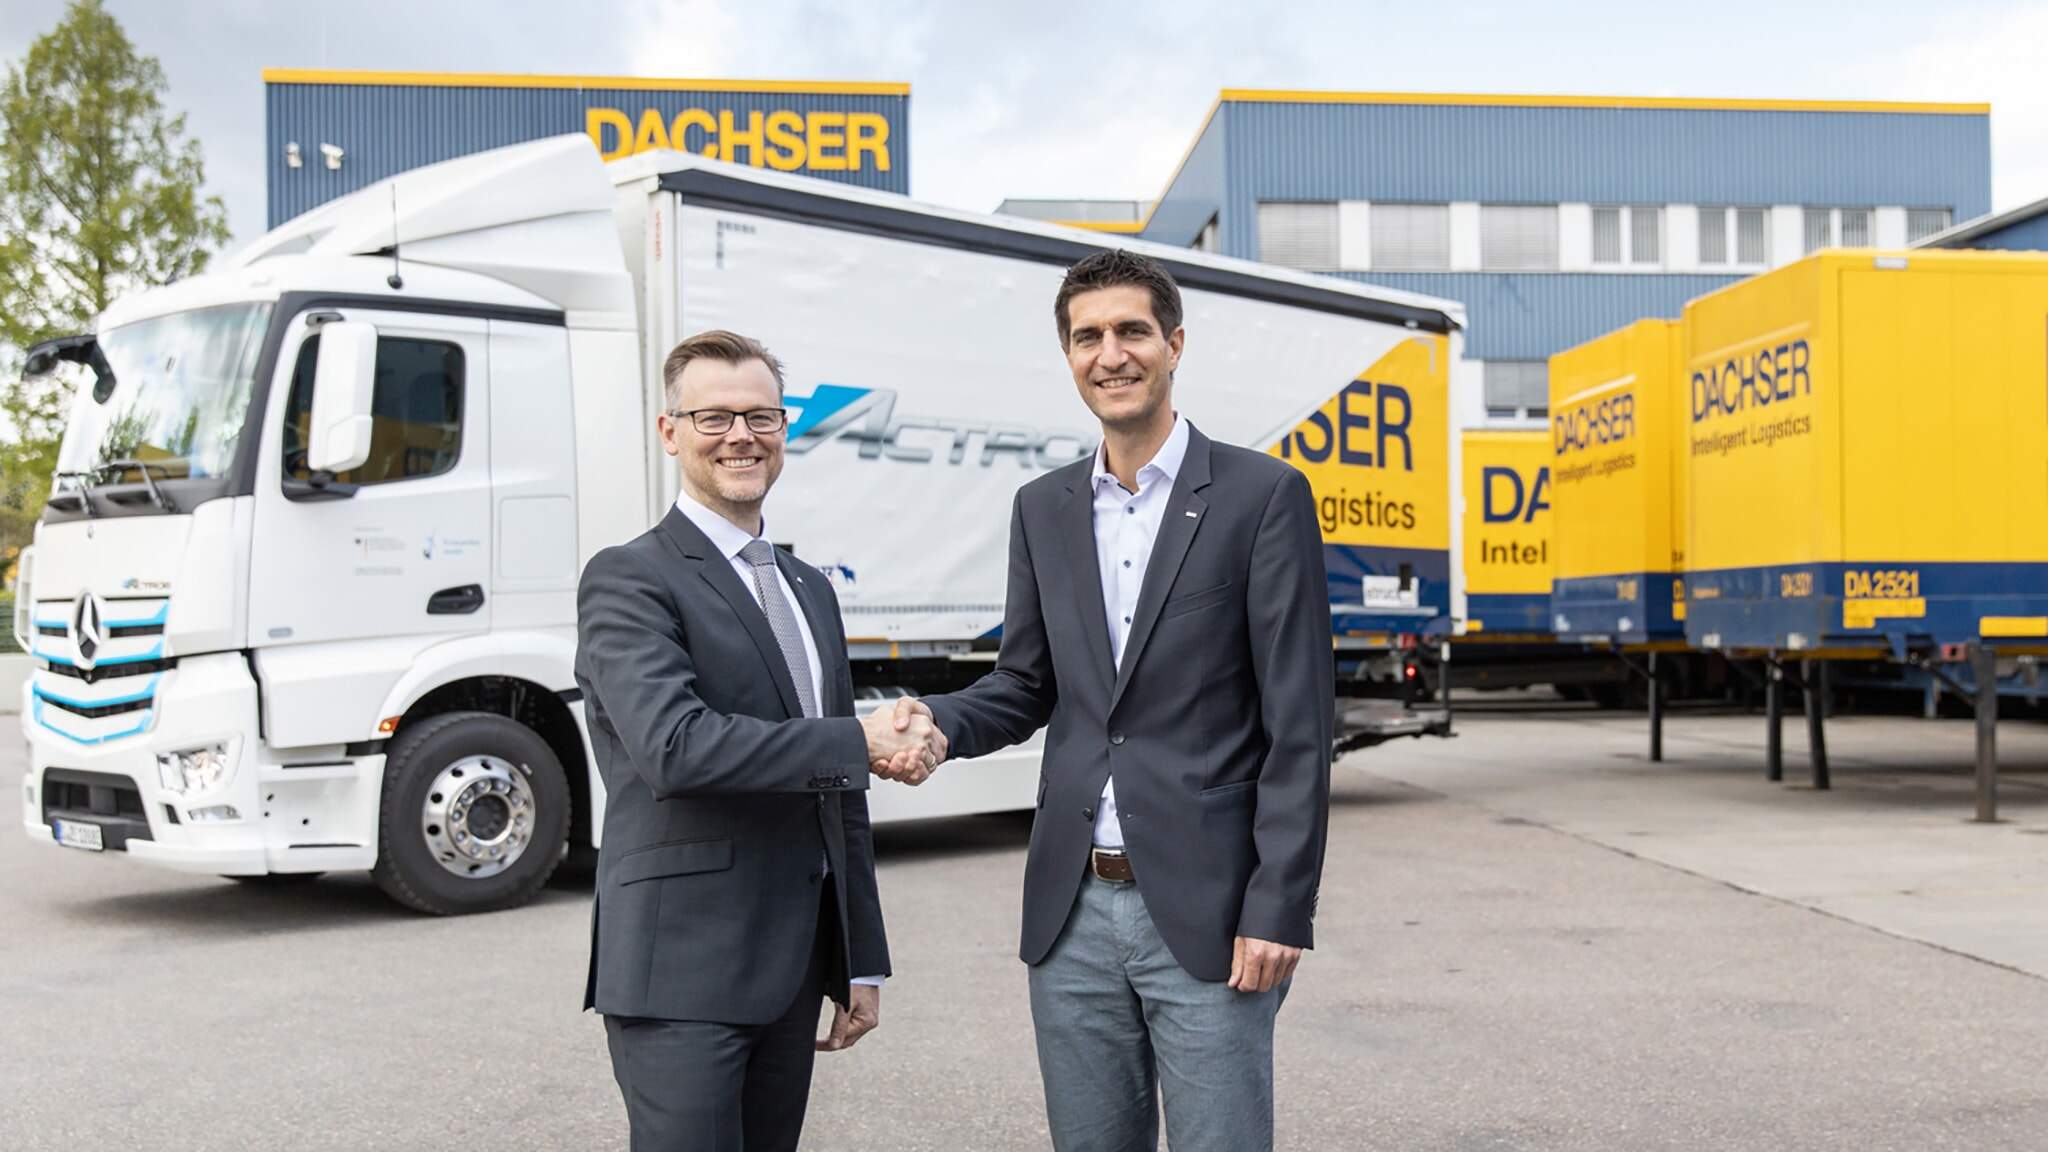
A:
x: 1125, y: 227
x: 1185, y: 155
x: 632, y: 83
x: 1504, y: 100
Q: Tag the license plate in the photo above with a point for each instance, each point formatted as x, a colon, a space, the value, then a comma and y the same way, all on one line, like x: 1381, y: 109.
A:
x: 1391, y: 592
x: 73, y: 834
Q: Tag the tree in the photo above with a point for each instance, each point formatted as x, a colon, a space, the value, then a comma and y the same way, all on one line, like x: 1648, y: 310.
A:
x: 99, y: 195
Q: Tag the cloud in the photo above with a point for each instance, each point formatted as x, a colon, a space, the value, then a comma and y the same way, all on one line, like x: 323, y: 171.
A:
x: 1987, y: 55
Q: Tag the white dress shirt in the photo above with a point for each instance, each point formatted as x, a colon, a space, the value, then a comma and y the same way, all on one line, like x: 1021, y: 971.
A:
x: 729, y: 538
x: 1126, y: 524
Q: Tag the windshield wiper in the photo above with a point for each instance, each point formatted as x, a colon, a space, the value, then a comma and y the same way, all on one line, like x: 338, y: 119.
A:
x: 83, y: 491
x: 158, y: 498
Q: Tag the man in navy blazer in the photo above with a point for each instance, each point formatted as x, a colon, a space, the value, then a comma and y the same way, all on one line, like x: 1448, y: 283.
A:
x: 1167, y: 615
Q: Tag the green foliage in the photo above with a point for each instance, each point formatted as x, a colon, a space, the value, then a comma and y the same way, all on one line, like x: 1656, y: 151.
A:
x: 99, y: 195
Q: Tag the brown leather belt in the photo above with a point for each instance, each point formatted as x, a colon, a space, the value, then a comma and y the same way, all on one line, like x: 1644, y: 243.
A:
x: 1111, y: 865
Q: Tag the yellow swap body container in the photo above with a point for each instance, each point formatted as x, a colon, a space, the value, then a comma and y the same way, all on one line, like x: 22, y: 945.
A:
x: 1617, y: 498
x: 1507, y: 534
x: 1380, y: 457
x: 1869, y: 453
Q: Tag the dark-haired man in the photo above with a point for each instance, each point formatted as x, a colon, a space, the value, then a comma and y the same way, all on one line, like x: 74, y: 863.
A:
x: 1167, y: 614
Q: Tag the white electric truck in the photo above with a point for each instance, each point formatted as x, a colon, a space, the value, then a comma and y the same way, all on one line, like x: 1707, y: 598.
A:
x: 303, y: 598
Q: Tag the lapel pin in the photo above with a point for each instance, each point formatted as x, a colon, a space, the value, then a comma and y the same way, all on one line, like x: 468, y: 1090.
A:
x: 1191, y: 516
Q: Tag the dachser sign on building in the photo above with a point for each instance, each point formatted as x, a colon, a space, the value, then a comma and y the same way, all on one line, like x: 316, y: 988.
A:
x: 329, y: 133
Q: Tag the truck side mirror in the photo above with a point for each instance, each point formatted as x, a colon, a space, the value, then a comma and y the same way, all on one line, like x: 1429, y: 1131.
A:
x: 344, y: 382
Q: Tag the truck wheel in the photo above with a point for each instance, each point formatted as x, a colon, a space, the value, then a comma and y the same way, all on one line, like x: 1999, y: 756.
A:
x: 474, y: 815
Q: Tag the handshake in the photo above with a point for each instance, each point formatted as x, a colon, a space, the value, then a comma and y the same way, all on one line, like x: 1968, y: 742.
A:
x: 903, y: 743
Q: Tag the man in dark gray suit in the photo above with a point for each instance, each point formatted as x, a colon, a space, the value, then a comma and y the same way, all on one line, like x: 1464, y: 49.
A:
x: 1167, y: 612
x: 736, y: 883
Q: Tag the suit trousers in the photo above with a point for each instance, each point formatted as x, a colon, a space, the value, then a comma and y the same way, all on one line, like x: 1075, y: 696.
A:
x: 701, y: 1086
x: 1120, y: 1023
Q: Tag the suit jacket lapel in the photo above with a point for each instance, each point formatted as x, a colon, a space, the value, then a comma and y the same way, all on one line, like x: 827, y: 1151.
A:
x: 1077, y: 534
x: 1184, y: 511
x: 716, y: 570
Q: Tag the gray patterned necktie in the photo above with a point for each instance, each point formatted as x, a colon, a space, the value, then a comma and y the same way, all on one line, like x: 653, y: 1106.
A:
x: 760, y: 555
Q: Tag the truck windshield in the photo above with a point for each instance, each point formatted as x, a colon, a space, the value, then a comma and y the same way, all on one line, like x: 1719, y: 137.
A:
x: 181, y: 389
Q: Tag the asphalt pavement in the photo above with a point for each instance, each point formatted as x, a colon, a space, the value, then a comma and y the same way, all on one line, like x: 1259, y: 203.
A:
x: 1530, y: 938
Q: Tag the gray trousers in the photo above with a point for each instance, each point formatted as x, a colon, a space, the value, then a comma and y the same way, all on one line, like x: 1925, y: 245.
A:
x: 1120, y: 1024
x: 699, y: 1086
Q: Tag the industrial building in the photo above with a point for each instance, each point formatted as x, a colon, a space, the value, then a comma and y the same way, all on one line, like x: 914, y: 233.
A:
x: 2022, y: 229
x: 329, y: 133
x: 1554, y: 218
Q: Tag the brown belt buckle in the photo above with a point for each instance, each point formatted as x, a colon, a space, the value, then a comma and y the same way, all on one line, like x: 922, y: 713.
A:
x: 1112, y: 866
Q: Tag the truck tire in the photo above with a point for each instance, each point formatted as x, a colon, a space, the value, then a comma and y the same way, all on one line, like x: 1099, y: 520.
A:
x: 474, y: 816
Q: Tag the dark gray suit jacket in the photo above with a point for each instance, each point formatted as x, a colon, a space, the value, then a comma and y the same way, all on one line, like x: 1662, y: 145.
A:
x: 721, y: 800
x: 1217, y: 727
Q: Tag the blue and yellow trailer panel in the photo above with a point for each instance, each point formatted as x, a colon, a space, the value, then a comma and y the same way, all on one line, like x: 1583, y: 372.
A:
x: 1379, y: 457
x: 1869, y: 453
x: 1617, y: 493
x: 1507, y: 534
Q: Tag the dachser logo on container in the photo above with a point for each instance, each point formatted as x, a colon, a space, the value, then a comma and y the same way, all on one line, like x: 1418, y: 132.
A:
x: 1765, y: 377
x: 1380, y: 411
x: 1608, y: 421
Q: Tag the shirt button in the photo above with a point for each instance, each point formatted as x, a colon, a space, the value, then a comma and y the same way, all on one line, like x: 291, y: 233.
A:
x: 1127, y: 563
x: 1132, y: 511
x: 1127, y: 619
x: 1116, y: 737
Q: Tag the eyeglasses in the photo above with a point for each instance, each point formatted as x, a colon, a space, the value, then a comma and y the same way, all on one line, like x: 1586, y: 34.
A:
x: 718, y: 421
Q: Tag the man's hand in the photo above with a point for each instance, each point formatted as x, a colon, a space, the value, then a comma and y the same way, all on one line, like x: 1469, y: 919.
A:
x: 1258, y: 965
x: 903, y: 743
x: 862, y: 1013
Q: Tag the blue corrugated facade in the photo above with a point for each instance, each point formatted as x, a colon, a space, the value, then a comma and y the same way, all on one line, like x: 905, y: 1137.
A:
x: 856, y: 133
x: 2022, y: 229
x: 1264, y: 147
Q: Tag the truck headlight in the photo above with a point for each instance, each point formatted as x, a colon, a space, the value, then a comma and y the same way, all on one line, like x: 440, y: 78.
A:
x: 190, y: 770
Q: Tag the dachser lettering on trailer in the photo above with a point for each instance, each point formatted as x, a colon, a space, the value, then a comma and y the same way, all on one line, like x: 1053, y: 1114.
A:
x: 1390, y: 413
x: 867, y: 416
x: 1594, y: 425
x: 785, y: 140
x: 1518, y: 500
x: 1765, y: 377
x: 1371, y: 510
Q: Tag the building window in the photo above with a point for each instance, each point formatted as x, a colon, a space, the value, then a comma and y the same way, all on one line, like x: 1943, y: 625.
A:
x: 1819, y: 231
x: 1713, y: 235
x: 1518, y: 237
x: 1299, y: 235
x: 1752, y: 235
x: 1924, y: 222
x: 1827, y: 227
x: 1752, y: 242
x: 1855, y: 227
x: 1645, y: 234
x: 1633, y: 234
x: 1517, y: 389
x: 1408, y: 237
x: 1606, y: 235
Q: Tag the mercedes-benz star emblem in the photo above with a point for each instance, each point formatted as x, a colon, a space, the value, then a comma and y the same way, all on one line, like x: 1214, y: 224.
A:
x: 85, y: 629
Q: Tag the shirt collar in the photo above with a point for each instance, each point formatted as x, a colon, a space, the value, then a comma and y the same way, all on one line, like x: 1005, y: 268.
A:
x: 725, y: 536
x: 1165, y: 463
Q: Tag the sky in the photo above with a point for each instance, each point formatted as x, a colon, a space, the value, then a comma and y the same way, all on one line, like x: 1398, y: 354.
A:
x: 1100, y: 100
